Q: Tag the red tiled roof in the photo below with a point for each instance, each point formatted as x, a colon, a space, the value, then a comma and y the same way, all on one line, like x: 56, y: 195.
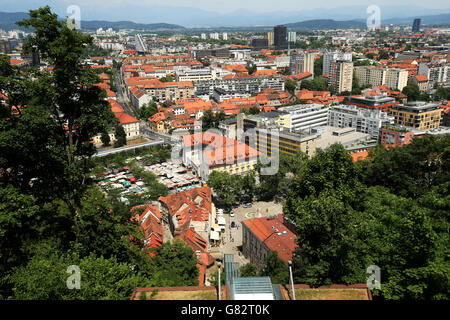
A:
x: 194, y: 204
x: 265, y: 230
x: 125, y: 118
x: 421, y: 78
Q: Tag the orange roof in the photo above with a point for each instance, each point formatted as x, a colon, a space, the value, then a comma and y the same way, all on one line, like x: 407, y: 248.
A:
x: 189, y: 205
x: 115, y: 106
x: 359, y: 155
x: 421, y: 78
x: 125, y: 118
x: 266, y: 231
x: 16, y: 62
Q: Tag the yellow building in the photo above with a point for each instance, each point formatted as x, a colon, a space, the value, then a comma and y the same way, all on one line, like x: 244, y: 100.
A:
x: 418, y: 115
x: 288, y: 143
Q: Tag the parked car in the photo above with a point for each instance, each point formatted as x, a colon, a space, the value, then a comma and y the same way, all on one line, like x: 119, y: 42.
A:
x: 233, y: 224
x: 247, y: 205
x: 231, y: 213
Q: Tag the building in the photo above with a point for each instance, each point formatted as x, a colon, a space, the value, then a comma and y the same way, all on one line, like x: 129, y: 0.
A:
x: 225, y: 36
x: 188, y: 208
x: 419, y: 115
x: 341, y: 76
x: 421, y: 81
x: 5, y: 46
x: 129, y: 124
x: 248, y: 84
x: 436, y: 72
x: 370, y: 75
x: 139, y: 97
x: 396, y: 78
x: 396, y: 135
x: 349, y: 138
x: 303, y: 116
x: 330, y: 57
x: 292, y: 37
x: 381, y: 102
x: 140, y: 44
x: 301, y: 62
x: 207, y: 152
x: 269, y: 135
x: 228, y: 128
x: 260, y: 236
x: 280, y: 37
x: 169, y: 91
x: 363, y: 120
x: 416, y: 25
x: 270, y: 39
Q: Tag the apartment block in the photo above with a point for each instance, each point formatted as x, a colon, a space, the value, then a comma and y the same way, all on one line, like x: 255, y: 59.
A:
x: 341, y: 76
x: 363, y: 120
x: 396, y: 79
x: 419, y: 115
x: 302, y: 62
x: 303, y: 116
x: 330, y: 57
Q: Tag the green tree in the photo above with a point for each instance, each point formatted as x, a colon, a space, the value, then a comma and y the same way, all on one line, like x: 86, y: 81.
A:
x: 254, y: 110
x: 275, y: 268
x: 249, y: 270
x: 291, y: 86
x: 121, y: 137
x: 251, y: 69
x: 166, y: 79
x: 224, y: 186
x: 106, y: 140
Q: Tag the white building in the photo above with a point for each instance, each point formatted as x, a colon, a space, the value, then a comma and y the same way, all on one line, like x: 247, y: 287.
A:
x: 341, y: 76
x: 303, y: 116
x: 435, y: 72
x: 329, y: 57
x: 302, y: 62
x: 363, y: 120
x: 225, y: 36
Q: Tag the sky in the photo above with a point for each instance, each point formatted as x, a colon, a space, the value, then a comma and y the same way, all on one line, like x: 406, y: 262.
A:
x: 220, y: 6
x: 194, y: 13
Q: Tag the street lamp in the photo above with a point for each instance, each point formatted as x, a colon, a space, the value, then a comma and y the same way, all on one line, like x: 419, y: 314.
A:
x: 219, y: 264
x: 291, y: 278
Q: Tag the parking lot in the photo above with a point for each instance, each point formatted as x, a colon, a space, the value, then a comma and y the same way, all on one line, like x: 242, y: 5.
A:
x: 233, y: 236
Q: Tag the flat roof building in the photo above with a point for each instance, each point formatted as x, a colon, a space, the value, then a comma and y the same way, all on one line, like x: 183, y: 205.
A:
x: 419, y: 115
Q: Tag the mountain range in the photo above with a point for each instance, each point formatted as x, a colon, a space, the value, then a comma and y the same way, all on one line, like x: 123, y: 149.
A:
x: 308, y: 19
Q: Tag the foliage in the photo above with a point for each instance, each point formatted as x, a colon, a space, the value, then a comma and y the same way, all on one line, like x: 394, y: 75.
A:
x: 106, y: 140
x: 275, y: 268
x: 121, y: 137
x: 319, y: 83
x: 413, y: 93
x: 249, y: 270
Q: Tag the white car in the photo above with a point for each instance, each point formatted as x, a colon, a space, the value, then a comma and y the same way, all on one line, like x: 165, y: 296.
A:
x: 231, y: 214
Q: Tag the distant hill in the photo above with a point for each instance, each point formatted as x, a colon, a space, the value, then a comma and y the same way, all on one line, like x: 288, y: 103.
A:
x: 326, y: 24
x: 443, y: 18
x: 8, y: 22
x: 94, y: 25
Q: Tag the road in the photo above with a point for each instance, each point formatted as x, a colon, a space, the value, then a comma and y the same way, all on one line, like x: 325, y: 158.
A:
x: 105, y: 152
x: 121, y: 96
